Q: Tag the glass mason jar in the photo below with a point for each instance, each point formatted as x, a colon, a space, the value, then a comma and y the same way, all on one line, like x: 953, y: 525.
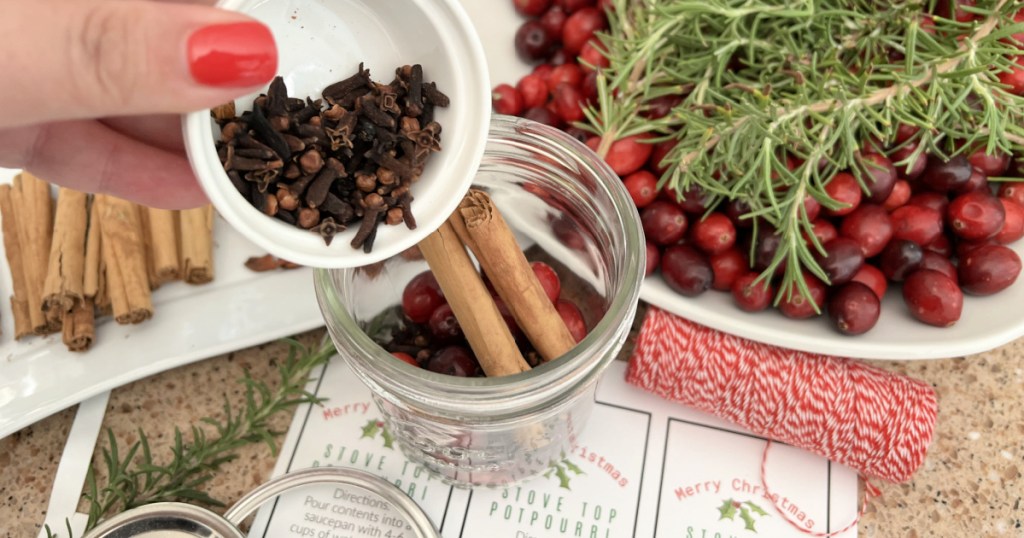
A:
x: 567, y: 208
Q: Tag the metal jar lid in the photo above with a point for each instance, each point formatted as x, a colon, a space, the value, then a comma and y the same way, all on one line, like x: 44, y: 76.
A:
x: 180, y: 520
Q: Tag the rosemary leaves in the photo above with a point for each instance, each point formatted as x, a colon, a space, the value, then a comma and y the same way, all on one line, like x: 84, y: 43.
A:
x: 348, y: 159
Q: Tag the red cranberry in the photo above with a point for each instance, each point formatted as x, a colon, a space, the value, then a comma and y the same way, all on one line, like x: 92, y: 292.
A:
x: 625, y: 155
x: 918, y: 224
x: 905, y: 132
x: 713, y: 234
x: 658, y: 154
x: 532, y: 42
x: 879, y: 176
x: 976, y: 215
x: 573, y: 319
x: 694, y: 201
x: 1013, y: 226
x: 642, y: 187
x: 963, y: 247
x: 727, y: 266
x: 737, y: 210
x: 553, y: 21
x: 592, y: 56
x: 900, y: 258
x: 531, y: 8
x: 842, y: 259
x: 1014, y: 78
x: 580, y: 27
x: 570, y: 74
x: 506, y: 100
x: 932, y: 200
x: 844, y: 189
x: 945, y: 176
x: 811, y: 207
x: 542, y: 115
x: 664, y: 222
x: 653, y: 258
x: 577, y: 133
x: 953, y: 9
x: 1018, y: 37
x: 989, y: 269
x: 571, y: 6
x: 543, y: 71
x: 933, y: 298
x: 421, y: 296
x: 899, y: 196
x: 444, y: 325
x: 941, y: 246
x: 991, y: 165
x: 940, y: 263
x: 977, y: 182
x: 872, y: 277
x: 454, y: 360
x: 533, y: 91
x: 661, y: 106
x: 907, y: 165
x: 567, y: 100
x: 870, y: 226
x: 686, y: 270
x: 799, y: 305
x: 824, y: 231
x: 750, y: 294
x: 548, y: 279
x: 765, y: 248
x: 1013, y: 190
x: 854, y: 309
x: 588, y: 89
x: 406, y: 358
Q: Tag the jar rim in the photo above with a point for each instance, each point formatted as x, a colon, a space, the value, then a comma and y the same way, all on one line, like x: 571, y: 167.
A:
x: 475, y: 396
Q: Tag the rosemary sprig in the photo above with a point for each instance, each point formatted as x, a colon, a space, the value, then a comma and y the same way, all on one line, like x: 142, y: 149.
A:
x: 134, y: 478
x: 813, y: 79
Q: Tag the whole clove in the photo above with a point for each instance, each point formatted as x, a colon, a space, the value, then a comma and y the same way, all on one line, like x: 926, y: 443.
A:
x: 344, y: 160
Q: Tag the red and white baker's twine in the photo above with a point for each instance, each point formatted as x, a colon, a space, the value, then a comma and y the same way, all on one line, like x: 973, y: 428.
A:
x: 871, y: 420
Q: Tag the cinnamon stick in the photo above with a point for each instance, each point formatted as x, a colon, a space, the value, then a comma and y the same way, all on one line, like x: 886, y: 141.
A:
x: 197, y: 245
x: 12, y: 248
x: 485, y: 329
x: 80, y: 326
x: 162, y: 246
x: 33, y: 207
x: 65, y: 275
x: 124, y: 255
x: 94, y: 286
x: 502, y: 259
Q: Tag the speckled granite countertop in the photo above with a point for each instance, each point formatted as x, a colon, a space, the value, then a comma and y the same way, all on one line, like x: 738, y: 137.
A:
x: 971, y: 484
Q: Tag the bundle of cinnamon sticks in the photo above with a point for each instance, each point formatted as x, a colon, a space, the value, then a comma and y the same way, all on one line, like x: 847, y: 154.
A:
x: 88, y: 256
x: 478, y: 225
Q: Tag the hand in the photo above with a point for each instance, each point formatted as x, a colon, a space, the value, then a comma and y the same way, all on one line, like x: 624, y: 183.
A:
x: 92, y: 89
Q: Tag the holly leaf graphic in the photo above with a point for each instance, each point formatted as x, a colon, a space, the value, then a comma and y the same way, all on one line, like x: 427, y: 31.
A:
x: 756, y: 509
x: 748, y: 519
x: 386, y: 436
x: 727, y: 510
x: 572, y: 467
x: 563, y: 479
x: 371, y: 429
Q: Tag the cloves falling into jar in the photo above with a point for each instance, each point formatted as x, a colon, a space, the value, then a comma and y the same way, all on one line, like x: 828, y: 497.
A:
x: 344, y: 160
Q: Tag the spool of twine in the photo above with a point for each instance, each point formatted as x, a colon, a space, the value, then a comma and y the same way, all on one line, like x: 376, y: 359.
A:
x: 876, y: 422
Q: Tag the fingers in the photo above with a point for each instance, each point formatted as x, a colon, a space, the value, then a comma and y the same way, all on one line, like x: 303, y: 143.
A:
x: 163, y: 131
x: 76, y: 60
x: 91, y: 157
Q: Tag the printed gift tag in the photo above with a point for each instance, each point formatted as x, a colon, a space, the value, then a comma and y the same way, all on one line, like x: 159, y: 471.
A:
x: 643, y: 467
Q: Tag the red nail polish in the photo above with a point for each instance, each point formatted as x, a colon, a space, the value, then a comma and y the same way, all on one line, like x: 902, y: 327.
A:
x: 234, y: 55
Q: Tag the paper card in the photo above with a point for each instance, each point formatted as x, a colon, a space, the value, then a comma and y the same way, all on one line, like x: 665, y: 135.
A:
x: 643, y: 467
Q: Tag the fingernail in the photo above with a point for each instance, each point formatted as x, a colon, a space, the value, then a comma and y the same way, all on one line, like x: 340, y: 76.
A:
x: 236, y: 55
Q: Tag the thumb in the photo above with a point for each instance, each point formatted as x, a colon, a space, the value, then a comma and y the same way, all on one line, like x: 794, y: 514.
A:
x: 74, y: 59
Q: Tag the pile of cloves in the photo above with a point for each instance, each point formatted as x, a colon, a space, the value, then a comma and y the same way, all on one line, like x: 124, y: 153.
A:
x: 324, y: 164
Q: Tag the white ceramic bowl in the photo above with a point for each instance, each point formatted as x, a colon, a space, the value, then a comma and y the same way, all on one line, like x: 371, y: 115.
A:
x: 323, y: 41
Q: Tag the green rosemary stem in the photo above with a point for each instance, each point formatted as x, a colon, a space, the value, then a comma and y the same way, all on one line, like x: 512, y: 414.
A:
x: 135, y: 478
